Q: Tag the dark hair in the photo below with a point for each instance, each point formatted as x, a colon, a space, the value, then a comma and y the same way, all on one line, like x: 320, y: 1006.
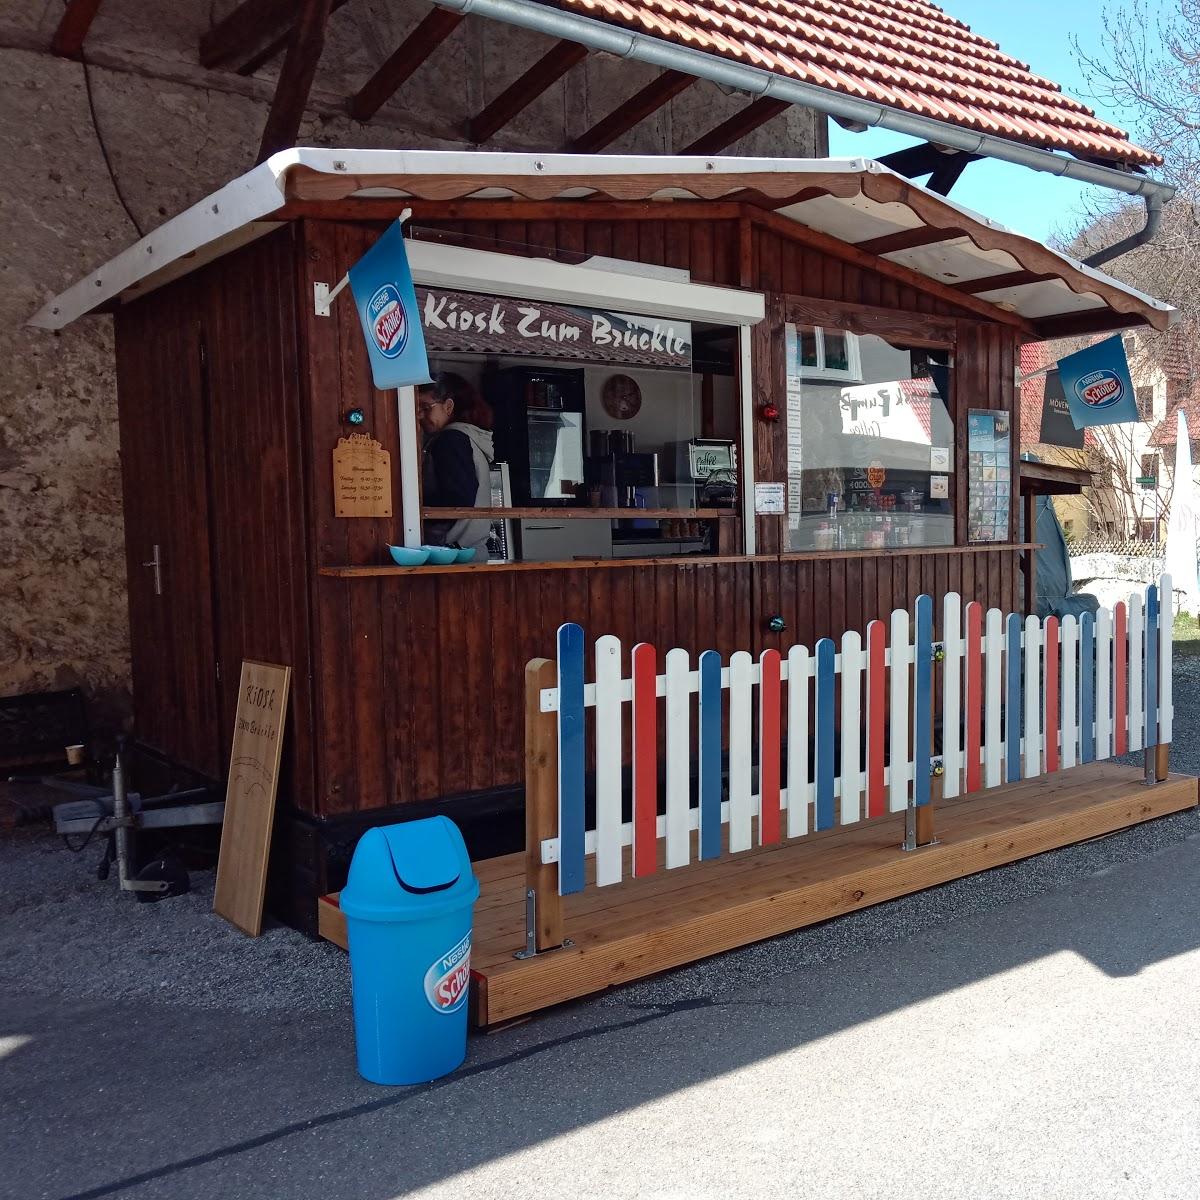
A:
x: 469, y: 405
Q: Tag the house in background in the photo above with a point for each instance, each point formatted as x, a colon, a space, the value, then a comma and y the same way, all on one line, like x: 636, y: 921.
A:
x: 1118, y: 507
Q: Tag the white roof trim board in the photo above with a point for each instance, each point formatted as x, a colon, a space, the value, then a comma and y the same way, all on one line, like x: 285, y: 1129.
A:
x: 861, y: 200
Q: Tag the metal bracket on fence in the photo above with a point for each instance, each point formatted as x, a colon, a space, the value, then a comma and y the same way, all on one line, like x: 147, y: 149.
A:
x: 910, y: 827
x: 531, y: 950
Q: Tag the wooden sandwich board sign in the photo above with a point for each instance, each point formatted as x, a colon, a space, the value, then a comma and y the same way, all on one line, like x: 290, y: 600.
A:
x: 250, y: 796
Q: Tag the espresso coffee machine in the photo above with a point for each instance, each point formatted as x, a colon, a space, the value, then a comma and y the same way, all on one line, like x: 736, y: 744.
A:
x: 616, y: 470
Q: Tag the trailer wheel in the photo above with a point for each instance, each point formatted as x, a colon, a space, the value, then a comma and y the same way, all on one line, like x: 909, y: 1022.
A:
x: 168, y: 870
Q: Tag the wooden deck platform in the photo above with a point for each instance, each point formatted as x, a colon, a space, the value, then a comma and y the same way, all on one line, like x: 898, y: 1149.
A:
x: 648, y: 925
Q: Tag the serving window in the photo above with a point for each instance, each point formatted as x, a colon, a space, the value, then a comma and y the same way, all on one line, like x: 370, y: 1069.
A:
x: 870, y: 440
x: 607, y: 435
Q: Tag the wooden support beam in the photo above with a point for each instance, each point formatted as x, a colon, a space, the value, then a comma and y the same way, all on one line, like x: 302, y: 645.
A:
x: 1097, y: 320
x: 737, y: 126
x: 1029, y: 557
x: 73, y: 27
x: 295, y: 80
x: 946, y: 174
x: 909, y: 239
x: 632, y: 112
x: 943, y: 167
x: 548, y: 70
x: 273, y: 48
x: 994, y: 283
x: 234, y: 38
x: 430, y: 33
x: 541, y: 803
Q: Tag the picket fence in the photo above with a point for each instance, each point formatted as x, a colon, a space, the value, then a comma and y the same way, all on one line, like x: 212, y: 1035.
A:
x: 1019, y: 697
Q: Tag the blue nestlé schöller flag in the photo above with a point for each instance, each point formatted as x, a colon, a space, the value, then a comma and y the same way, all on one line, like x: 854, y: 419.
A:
x: 1097, y: 384
x: 387, y: 307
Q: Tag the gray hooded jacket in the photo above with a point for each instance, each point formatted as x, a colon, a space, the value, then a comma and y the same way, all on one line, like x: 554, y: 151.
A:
x: 468, y: 531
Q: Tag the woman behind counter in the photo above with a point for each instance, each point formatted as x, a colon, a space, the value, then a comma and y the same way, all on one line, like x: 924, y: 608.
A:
x: 456, y: 471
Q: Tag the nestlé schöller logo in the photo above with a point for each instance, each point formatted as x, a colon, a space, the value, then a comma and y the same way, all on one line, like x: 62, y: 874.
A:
x: 389, y: 321
x: 447, y: 978
x: 1099, y: 389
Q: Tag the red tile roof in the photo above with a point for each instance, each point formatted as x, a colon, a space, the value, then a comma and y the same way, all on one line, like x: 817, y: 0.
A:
x: 905, y: 54
x: 1166, y: 432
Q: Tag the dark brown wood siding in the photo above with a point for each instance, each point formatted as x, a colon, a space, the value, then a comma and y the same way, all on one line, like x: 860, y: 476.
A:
x: 418, y: 679
x: 213, y: 452
x: 160, y: 386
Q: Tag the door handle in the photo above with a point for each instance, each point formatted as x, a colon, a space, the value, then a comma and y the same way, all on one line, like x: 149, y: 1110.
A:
x: 156, y: 563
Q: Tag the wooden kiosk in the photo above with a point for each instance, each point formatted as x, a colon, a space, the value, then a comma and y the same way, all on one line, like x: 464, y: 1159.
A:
x: 826, y: 306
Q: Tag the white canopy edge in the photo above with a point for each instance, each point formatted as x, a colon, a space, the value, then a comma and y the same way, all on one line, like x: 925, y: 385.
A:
x: 242, y: 210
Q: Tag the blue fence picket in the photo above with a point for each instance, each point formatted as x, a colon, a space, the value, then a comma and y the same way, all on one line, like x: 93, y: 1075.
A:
x: 1012, y: 697
x: 1087, y: 688
x: 824, y: 766
x: 1152, y: 618
x: 923, y: 699
x: 710, y: 754
x: 571, y: 815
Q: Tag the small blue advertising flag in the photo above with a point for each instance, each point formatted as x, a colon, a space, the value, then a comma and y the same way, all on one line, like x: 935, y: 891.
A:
x: 387, y: 307
x: 1097, y: 384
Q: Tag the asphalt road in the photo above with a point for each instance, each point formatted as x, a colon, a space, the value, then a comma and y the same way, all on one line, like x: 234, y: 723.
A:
x: 1031, y: 1032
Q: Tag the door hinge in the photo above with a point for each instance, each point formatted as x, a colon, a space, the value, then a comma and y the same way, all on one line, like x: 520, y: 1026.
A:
x: 155, y: 564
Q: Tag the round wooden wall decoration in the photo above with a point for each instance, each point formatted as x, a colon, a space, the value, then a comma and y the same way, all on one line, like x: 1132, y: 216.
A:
x: 621, y: 397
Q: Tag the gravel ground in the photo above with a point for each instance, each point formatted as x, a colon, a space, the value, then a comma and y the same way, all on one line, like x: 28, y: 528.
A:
x: 66, y: 934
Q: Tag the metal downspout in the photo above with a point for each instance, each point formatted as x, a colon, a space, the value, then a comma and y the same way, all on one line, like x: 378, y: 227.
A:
x: 1154, y: 211
x: 755, y: 81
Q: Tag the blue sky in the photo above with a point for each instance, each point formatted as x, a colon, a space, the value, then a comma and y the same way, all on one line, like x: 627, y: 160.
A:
x: 1037, y: 32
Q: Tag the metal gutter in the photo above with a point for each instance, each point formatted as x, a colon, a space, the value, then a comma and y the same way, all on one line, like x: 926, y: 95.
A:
x: 757, y: 82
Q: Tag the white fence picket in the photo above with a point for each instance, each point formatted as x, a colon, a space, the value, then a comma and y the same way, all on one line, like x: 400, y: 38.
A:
x: 852, y: 773
x: 798, y: 687
x: 609, y: 720
x: 1137, y: 654
x: 1069, y: 646
x: 952, y: 756
x: 993, y: 698
x: 1103, y: 705
x: 679, y: 757
x: 741, y: 810
x: 1031, y: 762
x: 900, y: 747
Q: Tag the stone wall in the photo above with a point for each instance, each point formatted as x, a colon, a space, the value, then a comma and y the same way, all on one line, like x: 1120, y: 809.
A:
x: 96, y: 155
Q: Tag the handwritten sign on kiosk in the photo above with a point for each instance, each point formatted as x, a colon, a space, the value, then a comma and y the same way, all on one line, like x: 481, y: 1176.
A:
x: 362, y: 478
x: 250, y: 797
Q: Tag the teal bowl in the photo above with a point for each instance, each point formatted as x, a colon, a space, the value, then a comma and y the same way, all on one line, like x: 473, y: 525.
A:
x: 441, y: 556
x: 465, y: 554
x: 406, y: 556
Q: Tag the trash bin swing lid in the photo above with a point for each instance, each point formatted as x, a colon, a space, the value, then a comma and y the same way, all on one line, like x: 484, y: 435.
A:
x: 424, y: 855
x: 409, y: 871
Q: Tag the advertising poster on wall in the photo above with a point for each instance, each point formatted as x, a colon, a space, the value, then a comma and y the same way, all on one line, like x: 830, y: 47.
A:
x: 989, y: 475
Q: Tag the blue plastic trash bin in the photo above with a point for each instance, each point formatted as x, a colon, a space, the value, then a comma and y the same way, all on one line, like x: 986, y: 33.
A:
x: 408, y: 920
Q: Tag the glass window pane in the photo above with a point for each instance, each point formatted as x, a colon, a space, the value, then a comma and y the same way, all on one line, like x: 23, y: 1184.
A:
x: 808, y: 346
x: 837, y: 354
x: 871, y: 464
